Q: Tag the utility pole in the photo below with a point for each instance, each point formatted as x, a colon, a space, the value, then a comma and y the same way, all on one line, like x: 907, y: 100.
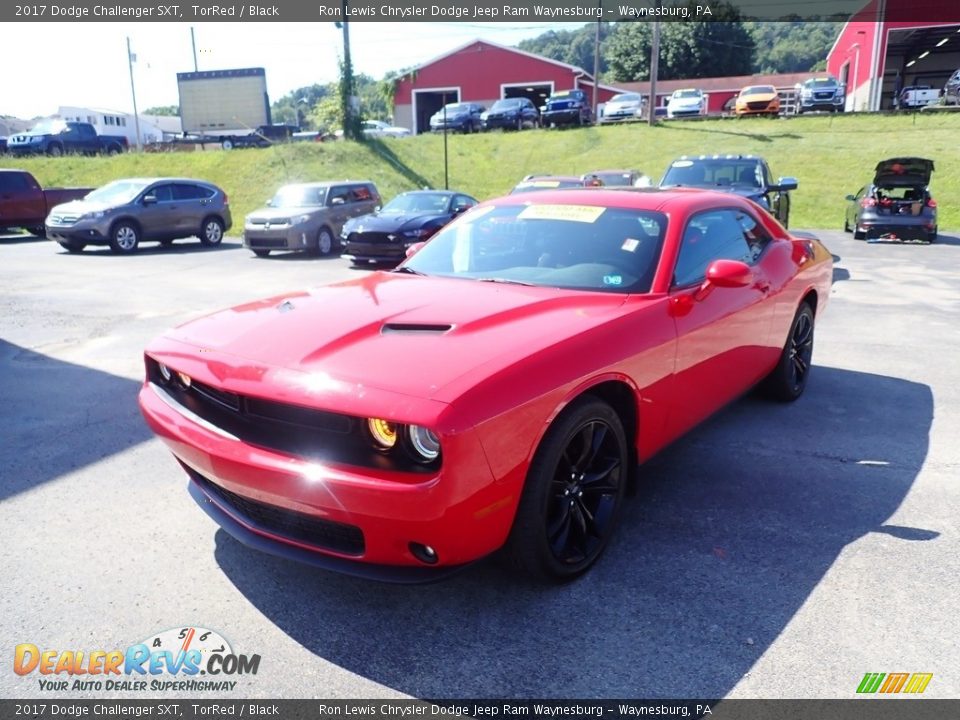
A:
x: 654, y: 69
x: 193, y: 42
x: 596, y: 65
x: 350, y: 125
x: 133, y: 91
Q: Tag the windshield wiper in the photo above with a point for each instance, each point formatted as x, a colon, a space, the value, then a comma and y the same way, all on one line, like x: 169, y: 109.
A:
x: 505, y: 281
x: 408, y: 271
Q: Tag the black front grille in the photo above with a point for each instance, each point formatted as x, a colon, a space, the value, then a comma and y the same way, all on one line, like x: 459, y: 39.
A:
x: 325, y: 534
x: 759, y: 105
x: 221, y: 397
x: 268, y: 242
x: 374, y: 238
x: 824, y: 95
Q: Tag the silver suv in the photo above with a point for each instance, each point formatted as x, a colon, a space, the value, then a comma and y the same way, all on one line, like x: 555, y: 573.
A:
x: 308, y: 216
x: 124, y: 213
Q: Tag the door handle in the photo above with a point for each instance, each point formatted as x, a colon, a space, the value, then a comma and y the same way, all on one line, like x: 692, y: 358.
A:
x: 763, y: 286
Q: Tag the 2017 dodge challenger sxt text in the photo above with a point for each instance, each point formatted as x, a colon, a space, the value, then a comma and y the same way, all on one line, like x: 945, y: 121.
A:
x: 498, y: 389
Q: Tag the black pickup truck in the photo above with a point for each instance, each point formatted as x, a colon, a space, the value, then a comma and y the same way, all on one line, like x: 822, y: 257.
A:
x: 57, y: 137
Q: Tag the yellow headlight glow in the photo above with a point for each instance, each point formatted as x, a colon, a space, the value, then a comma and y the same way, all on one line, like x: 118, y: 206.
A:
x: 384, y: 432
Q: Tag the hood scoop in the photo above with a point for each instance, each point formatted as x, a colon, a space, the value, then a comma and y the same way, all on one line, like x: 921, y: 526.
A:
x: 415, y: 328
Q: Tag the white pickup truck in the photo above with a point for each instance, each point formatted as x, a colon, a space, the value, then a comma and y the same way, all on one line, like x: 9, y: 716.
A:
x: 915, y: 96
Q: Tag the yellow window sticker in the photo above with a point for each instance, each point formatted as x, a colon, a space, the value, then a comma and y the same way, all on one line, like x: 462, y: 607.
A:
x: 574, y: 213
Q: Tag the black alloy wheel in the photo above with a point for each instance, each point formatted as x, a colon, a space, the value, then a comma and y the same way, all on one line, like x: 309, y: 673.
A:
x: 789, y: 378
x: 574, y: 491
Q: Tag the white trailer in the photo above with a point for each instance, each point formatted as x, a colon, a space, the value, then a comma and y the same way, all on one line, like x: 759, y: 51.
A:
x: 221, y: 104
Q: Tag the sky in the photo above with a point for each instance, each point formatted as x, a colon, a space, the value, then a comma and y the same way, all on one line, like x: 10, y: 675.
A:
x: 85, y: 64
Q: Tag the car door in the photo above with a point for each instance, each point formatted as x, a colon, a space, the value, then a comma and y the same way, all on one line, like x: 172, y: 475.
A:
x: 853, y: 207
x: 339, y: 207
x: 157, y: 212
x: 192, y: 202
x: 19, y: 200
x: 723, y: 334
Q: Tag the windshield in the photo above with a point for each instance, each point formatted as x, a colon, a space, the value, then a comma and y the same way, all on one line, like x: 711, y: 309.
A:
x: 435, y: 203
x: 48, y: 127
x: 546, y: 184
x: 625, y: 97
x: 616, y: 178
x: 758, y: 90
x: 118, y: 192
x: 713, y: 173
x: 682, y: 94
x: 582, y: 247
x: 455, y: 109
x: 820, y: 83
x: 509, y: 104
x: 293, y: 196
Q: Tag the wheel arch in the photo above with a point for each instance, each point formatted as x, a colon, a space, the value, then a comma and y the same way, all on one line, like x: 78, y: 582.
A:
x: 128, y: 219
x: 810, y: 297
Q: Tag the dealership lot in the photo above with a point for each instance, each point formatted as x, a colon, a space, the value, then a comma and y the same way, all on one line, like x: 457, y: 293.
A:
x: 777, y: 551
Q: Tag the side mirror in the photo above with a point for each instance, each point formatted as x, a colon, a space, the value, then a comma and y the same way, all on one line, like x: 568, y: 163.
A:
x: 460, y: 209
x: 729, y: 274
x: 786, y: 183
x: 149, y: 199
x: 269, y: 203
x: 850, y: 198
x: 336, y: 201
x: 414, y: 249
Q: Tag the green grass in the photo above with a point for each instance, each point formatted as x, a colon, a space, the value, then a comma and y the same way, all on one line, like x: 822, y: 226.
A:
x: 831, y: 156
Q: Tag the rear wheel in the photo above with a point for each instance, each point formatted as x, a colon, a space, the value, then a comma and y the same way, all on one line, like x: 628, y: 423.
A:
x: 211, y: 233
x: 788, y: 379
x: 858, y: 235
x: 55, y: 150
x: 124, y: 238
x: 261, y: 253
x: 226, y: 144
x: 38, y: 230
x: 573, y: 494
x: 846, y: 225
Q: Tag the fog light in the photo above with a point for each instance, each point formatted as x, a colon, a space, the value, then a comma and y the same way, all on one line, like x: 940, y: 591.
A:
x: 164, y: 372
x: 424, y: 553
x: 383, y: 432
x: 185, y: 379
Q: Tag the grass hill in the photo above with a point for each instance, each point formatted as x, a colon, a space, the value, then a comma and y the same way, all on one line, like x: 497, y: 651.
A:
x: 830, y: 155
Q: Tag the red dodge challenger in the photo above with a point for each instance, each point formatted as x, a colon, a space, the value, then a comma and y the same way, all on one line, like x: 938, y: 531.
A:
x: 497, y: 390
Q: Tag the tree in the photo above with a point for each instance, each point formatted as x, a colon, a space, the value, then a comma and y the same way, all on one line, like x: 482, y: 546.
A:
x: 717, y: 48
x: 784, y: 47
x: 574, y: 47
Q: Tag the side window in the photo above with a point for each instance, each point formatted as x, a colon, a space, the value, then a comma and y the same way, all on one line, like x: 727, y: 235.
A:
x: 360, y: 193
x: 163, y: 193
x: 182, y: 191
x: 754, y: 233
x: 462, y: 202
x: 338, y: 196
x: 709, y: 236
x: 13, y: 182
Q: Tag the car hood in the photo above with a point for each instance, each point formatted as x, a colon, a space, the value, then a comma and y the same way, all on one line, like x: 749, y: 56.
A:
x: 757, y: 97
x: 626, y: 105
x: 389, y: 222
x: 79, y: 207
x: 404, y: 334
x: 278, y: 214
x: 904, y: 171
x: 751, y: 193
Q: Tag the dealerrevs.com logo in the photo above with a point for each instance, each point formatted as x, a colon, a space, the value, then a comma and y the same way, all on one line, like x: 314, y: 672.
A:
x: 200, y: 659
x: 892, y: 683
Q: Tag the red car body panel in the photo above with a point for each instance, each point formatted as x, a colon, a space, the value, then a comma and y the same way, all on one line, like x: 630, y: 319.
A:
x: 489, y: 386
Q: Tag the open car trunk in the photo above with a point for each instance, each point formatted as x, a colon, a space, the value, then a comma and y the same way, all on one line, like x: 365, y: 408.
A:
x: 900, y: 199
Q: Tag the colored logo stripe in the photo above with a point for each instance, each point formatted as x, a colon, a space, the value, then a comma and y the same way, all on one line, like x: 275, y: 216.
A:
x: 891, y: 683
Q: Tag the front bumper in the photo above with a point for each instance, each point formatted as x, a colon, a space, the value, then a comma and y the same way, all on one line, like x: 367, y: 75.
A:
x: 287, y: 237
x: 560, y: 117
x: 501, y: 121
x: 257, y: 494
x: 835, y: 103
x: 86, y: 232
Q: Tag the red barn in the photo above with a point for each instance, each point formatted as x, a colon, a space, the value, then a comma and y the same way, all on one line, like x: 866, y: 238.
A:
x: 893, y: 44
x: 484, y: 72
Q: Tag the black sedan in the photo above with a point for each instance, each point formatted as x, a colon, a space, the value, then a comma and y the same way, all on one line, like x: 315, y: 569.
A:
x: 897, y: 205
x: 410, y: 218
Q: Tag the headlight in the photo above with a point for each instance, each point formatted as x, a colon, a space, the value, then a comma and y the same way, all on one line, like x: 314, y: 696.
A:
x: 93, y: 215
x: 418, y: 233
x: 383, y: 432
x: 301, y: 219
x: 424, y: 443
x: 164, y: 372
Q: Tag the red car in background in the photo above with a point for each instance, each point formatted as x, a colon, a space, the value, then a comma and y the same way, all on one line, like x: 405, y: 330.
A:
x: 498, y: 389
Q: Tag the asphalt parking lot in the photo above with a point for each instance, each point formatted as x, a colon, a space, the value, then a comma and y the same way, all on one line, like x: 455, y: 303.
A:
x: 777, y: 551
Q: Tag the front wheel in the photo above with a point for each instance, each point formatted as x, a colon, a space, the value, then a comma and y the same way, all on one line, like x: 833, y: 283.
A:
x: 324, y: 242
x: 72, y: 246
x: 38, y: 231
x: 124, y: 238
x: 226, y: 144
x: 573, y: 494
x: 211, y: 233
x: 788, y: 379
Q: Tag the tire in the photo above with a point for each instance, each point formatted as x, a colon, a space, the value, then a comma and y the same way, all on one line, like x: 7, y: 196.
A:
x: 519, y: 124
x: 124, y: 237
x: 72, y: 246
x: 857, y: 235
x: 37, y: 230
x: 324, y: 242
x: 55, y: 150
x: 113, y: 150
x: 166, y: 243
x: 846, y: 225
x: 932, y: 236
x: 226, y: 144
x: 785, y: 210
x: 261, y: 253
x: 566, y: 517
x: 211, y: 232
x: 788, y: 379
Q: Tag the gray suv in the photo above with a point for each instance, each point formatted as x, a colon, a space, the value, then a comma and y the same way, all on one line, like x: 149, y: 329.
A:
x: 124, y: 213
x: 308, y: 216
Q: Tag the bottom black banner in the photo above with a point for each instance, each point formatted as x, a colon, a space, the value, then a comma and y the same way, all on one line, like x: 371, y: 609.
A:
x: 875, y: 708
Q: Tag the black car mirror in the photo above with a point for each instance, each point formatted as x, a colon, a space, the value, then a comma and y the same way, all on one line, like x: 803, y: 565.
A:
x: 786, y: 183
x: 850, y: 198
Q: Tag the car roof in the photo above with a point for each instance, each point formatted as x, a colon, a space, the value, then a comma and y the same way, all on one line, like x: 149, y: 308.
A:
x: 328, y: 183
x: 164, y: 179
x: 428, y: 191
